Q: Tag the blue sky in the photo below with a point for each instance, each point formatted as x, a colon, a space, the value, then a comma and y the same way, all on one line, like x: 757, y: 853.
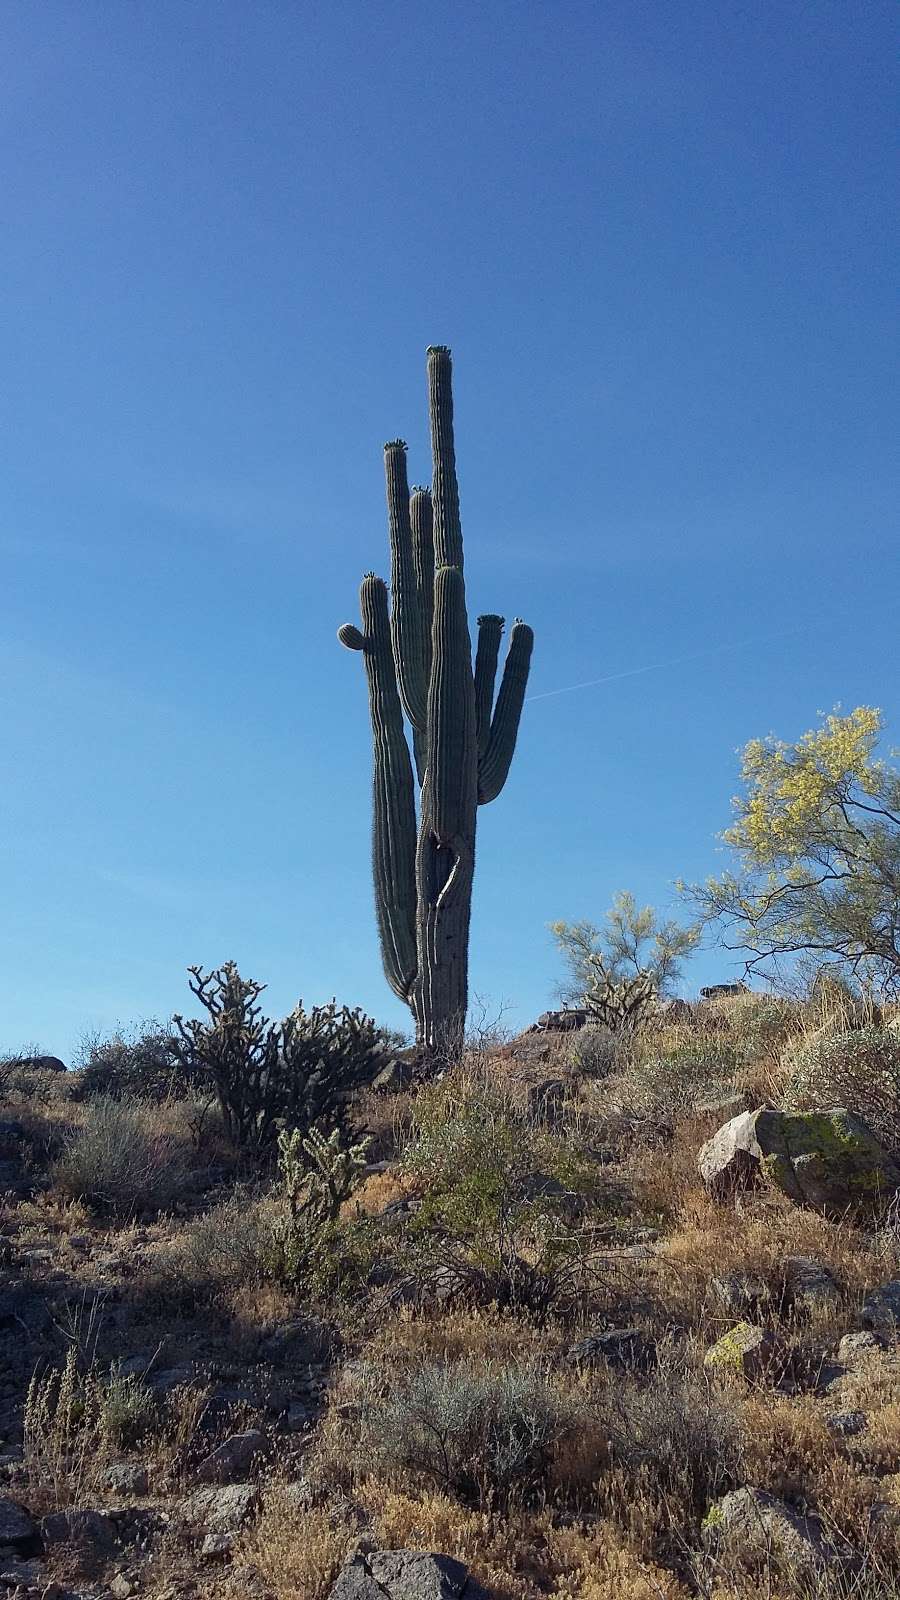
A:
x: 659, y: 240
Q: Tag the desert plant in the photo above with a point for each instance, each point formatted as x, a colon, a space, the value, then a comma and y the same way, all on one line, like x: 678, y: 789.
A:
x: 75, y: 1418
x: 318, y: 1175
x: 297, y: 1073
x: 142, y: 1062
x: 419, y: 660
x: 500, y: 1196
x: 859, y: 1070
x: 633, y: 942
x: 817, y: 845
x: 119, y: 1159
x: 486, y: 1432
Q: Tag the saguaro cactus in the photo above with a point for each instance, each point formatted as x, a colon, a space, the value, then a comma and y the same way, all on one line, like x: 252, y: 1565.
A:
x: 418, y: 660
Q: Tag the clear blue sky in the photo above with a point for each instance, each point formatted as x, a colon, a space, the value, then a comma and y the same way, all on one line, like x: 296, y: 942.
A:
x: 659, y: 240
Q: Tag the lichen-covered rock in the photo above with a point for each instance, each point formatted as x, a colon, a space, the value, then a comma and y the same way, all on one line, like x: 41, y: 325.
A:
x: 627, y: 1348
x: 754, y: 1527
x: 220, y: 1510
x: 743, y: 1349
x: 881, y: 1309
x: 826, y: 1159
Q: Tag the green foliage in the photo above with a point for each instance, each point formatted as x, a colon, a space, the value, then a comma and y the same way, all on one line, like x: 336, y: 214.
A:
x: 483, y: 1431
x: 268, y: 1076
x: 858, y: 1070
x: 121, y: 1160
x: 817, y: 841
x: 308, y: 1245
x: 499, y: 1195
x: 633, y: 944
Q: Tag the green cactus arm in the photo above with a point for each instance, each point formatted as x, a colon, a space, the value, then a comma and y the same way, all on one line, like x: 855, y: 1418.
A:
x: 490, y: 632
x: 421, y: 521
x: 494, y: 764
x: 452, y: 754
x: 407, y: 622
x: 394, y: 810
x: 448, y: 546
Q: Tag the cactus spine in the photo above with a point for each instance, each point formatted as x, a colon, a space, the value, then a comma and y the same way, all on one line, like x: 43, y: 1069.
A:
x: 418, y: 661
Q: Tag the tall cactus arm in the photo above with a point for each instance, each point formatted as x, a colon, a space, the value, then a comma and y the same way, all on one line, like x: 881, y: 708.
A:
x: 420, y: 517
x: 448, y: 548
x: 407, y: 621
x: 494, y: 764
x: 393, y: 812
x: 452, y: 753
x: 490, y: 632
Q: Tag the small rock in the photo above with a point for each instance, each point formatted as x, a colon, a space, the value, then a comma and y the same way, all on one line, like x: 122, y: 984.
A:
x: 846, y: 1424
x: 220, y: 1510
x: 546, y: 1100
x: 881, y: 1309
x: 403, y: 1575
x: 216, y: 1545
x: 121, y: 1587
x: 126, y: 1478
x: 739, y: 1292
x: 755, y: 1525
x: 232, y: 1458
x: 858, y: 1349
x: 809, y: 1285
x: 744, y: 1349
x: 85, y: 1527
x: 172, y: 1378
x: 626, y: 1348
x: 16, y: 1526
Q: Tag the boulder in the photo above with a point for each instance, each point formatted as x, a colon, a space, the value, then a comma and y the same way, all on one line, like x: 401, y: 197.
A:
x: 16, y: 1526
x: 220, y: 1510
x: 81, y: 1527
x: 739, y: 1292
x: 231, y: 1459
x: 560, y: 1021
x: 723, y: 991
x: 809, y: 1286
x: 754, y: 1526
x: 881, y: 1309
x: 404, y: 1575
x: 826, y: 1159
x: 41, y: 1063
x: 744, y: 1349
x: 128, y: 1479
x: 626, y: 1348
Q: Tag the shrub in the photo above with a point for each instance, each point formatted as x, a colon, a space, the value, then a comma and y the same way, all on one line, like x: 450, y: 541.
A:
x: 859, y: 1070
x: 599, y: 1052
x: 486, y: 1432
x: 225, y: 1248
x: 142, y: 1062
x: 298, y: 1073
x: 676, y: 1080
x: 500, y: 1195
x: 120, y: 1160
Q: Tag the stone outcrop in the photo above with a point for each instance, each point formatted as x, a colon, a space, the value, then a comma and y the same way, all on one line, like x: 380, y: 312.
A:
x: 826, y: 1159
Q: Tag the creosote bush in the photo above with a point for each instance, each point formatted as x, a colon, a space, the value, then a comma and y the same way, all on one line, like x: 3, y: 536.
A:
x: 297, y: 1073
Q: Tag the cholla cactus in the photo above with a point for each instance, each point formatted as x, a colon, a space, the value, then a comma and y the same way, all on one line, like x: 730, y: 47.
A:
x: 319, y: 1174
x: 418, y: 660
x: 622, y: 1004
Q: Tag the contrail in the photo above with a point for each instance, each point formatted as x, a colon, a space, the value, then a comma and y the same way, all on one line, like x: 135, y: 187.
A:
x: 659, y: 666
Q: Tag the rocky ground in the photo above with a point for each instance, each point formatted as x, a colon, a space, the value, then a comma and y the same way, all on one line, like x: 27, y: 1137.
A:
x: 571, y: 1339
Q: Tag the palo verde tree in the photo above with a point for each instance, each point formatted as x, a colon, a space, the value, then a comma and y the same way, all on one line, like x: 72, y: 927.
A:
x: 418, y: 659
x: 817, y: 841
x: 633, y: 942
